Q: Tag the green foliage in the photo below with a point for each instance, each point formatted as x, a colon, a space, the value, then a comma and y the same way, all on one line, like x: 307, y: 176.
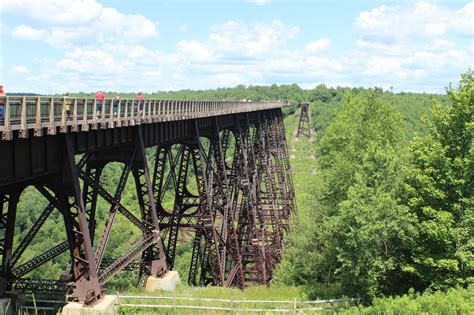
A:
x: 439, y: 191
x: 384, y: 216
x: 364, y: 121
x: 357, y: 227
x: 454, y: 301
x: 370, y: 229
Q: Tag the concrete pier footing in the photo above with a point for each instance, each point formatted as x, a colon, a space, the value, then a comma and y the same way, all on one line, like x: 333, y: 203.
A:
x: 167, y: 282
x: 107, y: 306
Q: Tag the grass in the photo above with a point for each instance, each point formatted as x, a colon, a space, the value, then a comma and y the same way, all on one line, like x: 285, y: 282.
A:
x: 454, y: 301
x: 251, y: 293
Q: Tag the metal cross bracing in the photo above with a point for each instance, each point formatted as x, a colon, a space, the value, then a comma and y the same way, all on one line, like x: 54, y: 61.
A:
x: 222, y: 183
x: 304, y: 124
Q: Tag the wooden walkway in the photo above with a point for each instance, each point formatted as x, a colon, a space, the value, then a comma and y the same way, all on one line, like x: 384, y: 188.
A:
x: 49, y: 115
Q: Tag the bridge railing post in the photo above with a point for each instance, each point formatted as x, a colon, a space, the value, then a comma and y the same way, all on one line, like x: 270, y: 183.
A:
x: 85, y: 120
x: 159, y: 107
x: 118, y: 119
x: 174, y: 105
x: 74, y: 115
x: 111, y: 121
x: 51, y: 124
x: 126, y: 109
x: 94, y: 114
x: 38, y: 123
x: 63, y: 126
x: 154, y: 111
x: 23, y: 125
x: 132, y: 113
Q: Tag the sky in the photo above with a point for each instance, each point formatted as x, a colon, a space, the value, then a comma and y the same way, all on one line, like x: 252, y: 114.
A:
x: 55, y: 46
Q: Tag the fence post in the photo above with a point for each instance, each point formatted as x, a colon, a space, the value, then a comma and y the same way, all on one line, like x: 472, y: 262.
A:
x: 174, y: 303
x: 294, y: 307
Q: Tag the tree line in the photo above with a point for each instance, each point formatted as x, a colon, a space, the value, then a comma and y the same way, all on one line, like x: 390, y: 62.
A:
x: 392, y: 207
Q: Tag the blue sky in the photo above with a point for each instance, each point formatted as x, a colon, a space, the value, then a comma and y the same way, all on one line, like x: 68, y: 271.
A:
x: 53, y: 46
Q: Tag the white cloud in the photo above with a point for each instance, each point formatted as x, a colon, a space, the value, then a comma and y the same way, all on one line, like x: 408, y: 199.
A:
x: 19, y: 69
x: 227, y: 79
x: 96, y: 62
x: 54, y: 12
x: 318, y: 45
x: 195, y: 50
x: 75, y: 23
x: 28, y: 33
x: 109, y: 52
x: 395, y: 23
x: 251, y: 40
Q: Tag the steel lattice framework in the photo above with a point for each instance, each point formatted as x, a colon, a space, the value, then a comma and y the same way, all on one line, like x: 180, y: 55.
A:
x: 224, y: 166
x: 304, y: 124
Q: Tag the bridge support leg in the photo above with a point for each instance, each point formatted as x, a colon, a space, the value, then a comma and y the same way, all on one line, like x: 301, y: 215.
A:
x: 8, y: 207
x: 87, y: 288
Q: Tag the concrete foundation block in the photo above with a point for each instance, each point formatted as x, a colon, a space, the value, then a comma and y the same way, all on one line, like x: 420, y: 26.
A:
x: 167, y: 282
x: 106, y: 306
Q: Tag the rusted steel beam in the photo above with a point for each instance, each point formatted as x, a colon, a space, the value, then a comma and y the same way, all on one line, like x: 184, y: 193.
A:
x: 100, y: 249
x: 40, y: 259
x: 87, y: 287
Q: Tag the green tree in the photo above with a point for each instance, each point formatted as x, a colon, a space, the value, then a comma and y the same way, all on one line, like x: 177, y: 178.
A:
x: 371, y: 230
x: 360, y: 228
x: 439, y: 191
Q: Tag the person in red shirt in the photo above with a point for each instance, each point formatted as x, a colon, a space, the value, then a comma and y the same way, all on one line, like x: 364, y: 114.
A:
x: 2, y: 104
x: 140, y: 96
x: 100, y: 96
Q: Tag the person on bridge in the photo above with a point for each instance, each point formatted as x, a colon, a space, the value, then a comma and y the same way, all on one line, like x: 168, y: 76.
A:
x: 100, y: 96
x: 2, y: 104
x: 116, y: 102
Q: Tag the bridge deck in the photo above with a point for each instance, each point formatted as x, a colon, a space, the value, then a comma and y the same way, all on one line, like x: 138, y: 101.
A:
x: 51, y: 113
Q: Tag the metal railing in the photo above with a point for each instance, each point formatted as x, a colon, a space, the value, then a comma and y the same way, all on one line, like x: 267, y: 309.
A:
x: 70, y: 114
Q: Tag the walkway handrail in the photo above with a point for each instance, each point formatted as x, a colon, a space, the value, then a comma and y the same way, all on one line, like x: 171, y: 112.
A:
x: 73, y: 114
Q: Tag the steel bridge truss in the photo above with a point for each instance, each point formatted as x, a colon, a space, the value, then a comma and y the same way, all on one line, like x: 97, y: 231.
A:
x: 304, y: 124
x: 227, y: 191
x: 236, y: 206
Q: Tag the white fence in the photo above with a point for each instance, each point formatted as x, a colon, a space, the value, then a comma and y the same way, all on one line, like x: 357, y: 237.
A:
x: 230, y: 305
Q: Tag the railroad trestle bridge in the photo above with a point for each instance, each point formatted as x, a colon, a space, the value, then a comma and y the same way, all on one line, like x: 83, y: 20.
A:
x: 225, y: 164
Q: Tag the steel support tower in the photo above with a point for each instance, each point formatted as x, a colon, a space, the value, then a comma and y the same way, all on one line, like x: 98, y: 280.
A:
x: 224, y: 167
x: 304, y: 124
